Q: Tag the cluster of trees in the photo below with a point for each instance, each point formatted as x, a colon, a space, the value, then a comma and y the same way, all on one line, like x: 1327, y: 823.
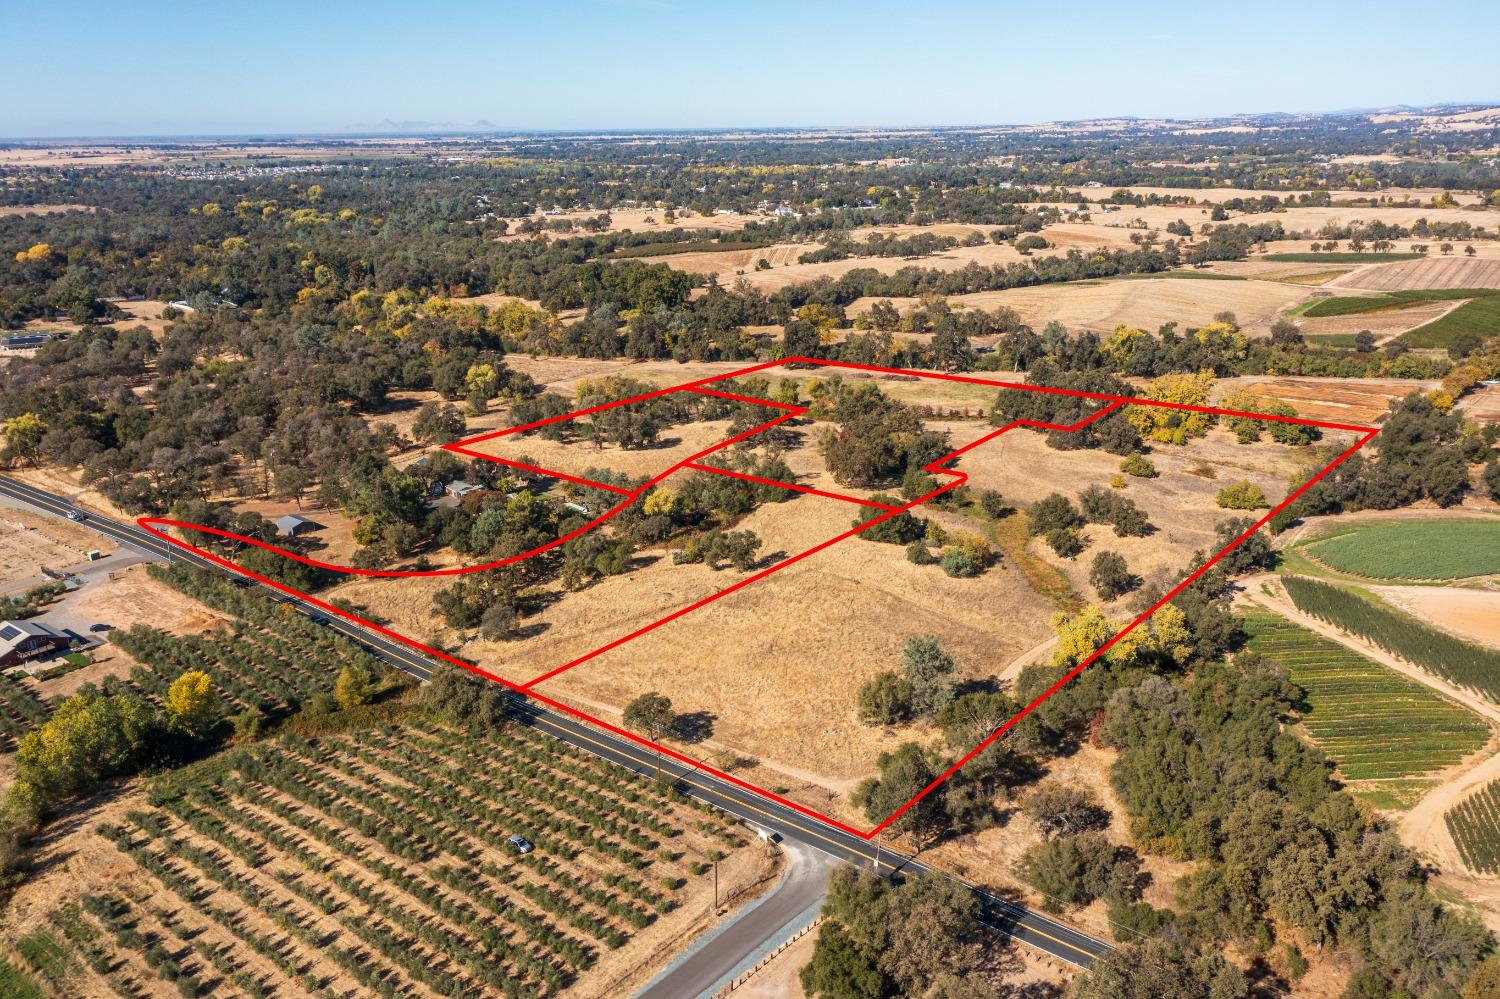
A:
x: 875, y: 440
x: 91, y: 738
x: 1421, y: 453
x: 921, y: 936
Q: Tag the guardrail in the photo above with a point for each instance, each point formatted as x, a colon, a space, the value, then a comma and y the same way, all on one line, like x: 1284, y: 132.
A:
x: 773, y: 955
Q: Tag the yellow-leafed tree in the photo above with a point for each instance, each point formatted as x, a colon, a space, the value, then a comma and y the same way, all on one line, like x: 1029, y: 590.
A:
x: 193, y: 706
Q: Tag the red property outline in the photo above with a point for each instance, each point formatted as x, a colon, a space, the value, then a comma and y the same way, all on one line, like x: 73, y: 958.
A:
x: 692, y: 462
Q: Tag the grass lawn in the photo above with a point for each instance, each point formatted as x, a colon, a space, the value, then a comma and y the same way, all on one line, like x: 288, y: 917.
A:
x: 1375, y: 724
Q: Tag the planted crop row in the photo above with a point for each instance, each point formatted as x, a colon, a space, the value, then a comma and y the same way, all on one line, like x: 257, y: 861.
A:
x: 1371, y: 721
x: 1467, y: 665
x: 20, y: 710
x: 1427, y: 550
x: 1475, y: 826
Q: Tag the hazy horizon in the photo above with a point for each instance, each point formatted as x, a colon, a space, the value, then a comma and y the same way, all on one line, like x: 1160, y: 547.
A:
x: 164, y: 68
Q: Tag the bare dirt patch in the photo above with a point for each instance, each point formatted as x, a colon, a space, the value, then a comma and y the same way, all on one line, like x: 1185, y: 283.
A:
x: 129, y: 596
x: 1340, y: 400
x: 1473, y: 615
x: 1482, y: 404
x: 30, y: 540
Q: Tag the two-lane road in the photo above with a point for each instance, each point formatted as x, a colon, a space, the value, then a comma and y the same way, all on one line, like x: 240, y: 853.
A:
x: 1010, y: 918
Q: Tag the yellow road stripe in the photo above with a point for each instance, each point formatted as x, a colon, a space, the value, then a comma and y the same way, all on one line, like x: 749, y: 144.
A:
x: 565, y: 734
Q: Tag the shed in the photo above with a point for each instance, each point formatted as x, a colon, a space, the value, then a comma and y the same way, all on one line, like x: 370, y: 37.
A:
x: 292, y: 524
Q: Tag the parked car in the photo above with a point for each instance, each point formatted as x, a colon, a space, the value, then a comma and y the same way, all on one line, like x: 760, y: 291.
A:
x: 101, y: 627
x: 519, y: 842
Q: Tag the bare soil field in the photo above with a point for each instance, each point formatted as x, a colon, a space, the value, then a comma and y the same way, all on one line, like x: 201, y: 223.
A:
x: 30, y: 540
x: 1436, y: 272
x: 1473, y: 615
x: 1341, y: 400
x: 1482, y: 404
x: 1103, y: 305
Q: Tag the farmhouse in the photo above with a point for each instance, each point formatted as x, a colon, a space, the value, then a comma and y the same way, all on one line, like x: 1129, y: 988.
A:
x: 292, y: 524
x: 24, y: 640
x: 458, y: 488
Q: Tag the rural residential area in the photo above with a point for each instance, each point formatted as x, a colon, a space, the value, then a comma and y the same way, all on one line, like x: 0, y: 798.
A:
x: 614, y: 499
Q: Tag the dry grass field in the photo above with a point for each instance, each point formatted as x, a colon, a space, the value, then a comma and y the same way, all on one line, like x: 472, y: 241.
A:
x: 1435, y: 272
x: 778, y: 665
x: 726, y: 263
x: 6, y: 210
x: 1180, y: 501
x: 1103, y: 305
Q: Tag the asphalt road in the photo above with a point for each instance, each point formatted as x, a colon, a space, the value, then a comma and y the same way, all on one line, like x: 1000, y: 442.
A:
x: 800, y: 888
x: 1007, y: 917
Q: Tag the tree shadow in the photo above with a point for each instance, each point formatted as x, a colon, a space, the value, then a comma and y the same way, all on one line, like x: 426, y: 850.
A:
x: 695, y: 726
x: 766, y: 561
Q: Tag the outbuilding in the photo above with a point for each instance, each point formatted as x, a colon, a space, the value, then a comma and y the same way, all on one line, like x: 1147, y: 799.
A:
x: 292, y: 524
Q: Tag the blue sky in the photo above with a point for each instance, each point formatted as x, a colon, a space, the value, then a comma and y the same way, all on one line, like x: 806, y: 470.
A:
x: 163, y: 67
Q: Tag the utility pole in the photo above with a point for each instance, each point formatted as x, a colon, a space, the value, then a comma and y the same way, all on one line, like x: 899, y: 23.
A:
x: 877, y: 856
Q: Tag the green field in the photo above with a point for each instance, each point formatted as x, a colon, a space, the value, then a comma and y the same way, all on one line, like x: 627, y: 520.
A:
x: 1343, y: 341
x: 1353, y: 305
x: 1475, y: 826
x: 1338, y: 258
x: 1478, y: 318
x: 1418, y: 550
x: 1464, y: 663
x: 1374, y: 723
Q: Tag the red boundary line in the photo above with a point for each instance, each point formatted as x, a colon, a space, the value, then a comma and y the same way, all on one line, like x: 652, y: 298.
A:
x: 958, y: 478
